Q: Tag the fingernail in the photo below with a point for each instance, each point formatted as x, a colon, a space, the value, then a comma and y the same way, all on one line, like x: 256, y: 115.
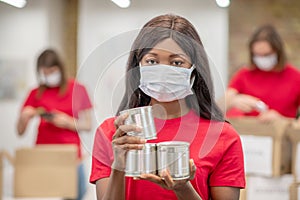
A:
x: 143, y: 140
x: 141, y: 146
x: 136, y: 178
x: 125, y: 115
x: 138, y: 128
x: 163, y: 173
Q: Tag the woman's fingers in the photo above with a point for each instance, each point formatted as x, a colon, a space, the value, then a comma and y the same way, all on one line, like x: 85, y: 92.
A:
x: 165, y: 179
x: 153, y: 178
x: 120, y: 120
x: 123, y: 129
x: 127, y: 140
x: 165, y: 175
x: 193, y: 169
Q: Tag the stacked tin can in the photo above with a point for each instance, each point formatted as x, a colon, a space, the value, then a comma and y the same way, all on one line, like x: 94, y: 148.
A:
x: 154, y: 158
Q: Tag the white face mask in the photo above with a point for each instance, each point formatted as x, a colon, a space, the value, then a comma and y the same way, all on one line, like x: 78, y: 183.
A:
x: 265, y: 63
x: 51, y: 80
x: 166, y: 83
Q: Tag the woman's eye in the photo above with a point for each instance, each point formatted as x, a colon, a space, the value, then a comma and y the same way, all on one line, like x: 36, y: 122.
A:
x: 151, y: 62
x: 177, y: 63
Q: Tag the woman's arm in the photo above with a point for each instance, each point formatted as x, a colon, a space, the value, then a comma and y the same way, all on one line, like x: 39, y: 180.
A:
x: 187, y: 192
x: 112, y: 187
x: 83, y: 123
x: 225, y: 193
x: 243, y: 102
x: 84, y: 120
x: 26, y: 114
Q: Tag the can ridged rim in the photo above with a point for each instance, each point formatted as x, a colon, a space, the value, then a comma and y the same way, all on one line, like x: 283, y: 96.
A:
x: 173, y: 143
x: 150, y: 144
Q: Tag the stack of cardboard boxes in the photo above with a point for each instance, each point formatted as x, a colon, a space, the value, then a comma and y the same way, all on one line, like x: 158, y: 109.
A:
x: 294, y: 135
x: 268, y: 158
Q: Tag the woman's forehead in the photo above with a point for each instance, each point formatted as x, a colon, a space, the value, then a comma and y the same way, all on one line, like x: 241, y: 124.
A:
x: 169, y: 45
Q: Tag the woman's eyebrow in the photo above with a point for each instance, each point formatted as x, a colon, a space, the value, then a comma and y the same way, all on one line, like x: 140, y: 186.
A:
x: 180, y: 55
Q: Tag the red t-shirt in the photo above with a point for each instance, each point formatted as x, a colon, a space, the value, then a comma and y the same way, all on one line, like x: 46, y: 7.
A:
x: 279, y: 90
x: 71, y: 102
x: 214, y: 146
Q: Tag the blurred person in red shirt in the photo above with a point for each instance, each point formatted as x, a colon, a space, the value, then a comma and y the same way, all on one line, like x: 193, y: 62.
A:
x: 62, y: 104
x: 269, y: 87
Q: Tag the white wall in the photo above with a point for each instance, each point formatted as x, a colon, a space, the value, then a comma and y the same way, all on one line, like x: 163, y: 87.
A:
x: 107, y: 31
x: 24, y: 33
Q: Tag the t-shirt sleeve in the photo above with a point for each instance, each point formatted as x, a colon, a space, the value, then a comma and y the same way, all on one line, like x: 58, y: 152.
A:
x: 30, y: 100
x: 102, y: 157
x: 236, y: 81
x: 81, y: 100
x: 230, y: 169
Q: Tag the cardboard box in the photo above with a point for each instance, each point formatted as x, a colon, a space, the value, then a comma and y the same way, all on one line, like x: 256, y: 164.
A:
x: 262, y: 188
x: 243, y: 193
x: 46, y: 171
x: 267, y: 149
x: 294, y: 135
x: 295, y: 191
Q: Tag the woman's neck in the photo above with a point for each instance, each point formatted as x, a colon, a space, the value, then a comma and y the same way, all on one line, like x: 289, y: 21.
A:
x: 169, y: 110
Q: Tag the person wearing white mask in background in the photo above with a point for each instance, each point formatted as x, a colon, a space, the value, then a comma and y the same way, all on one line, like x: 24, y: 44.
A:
x: 63, y: 106
x: 269, y: 87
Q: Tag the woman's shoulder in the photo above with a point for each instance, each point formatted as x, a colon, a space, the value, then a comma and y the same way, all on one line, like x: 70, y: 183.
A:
x: 73, y: 82
x: 107, y: 127
x: 33, y: 91
x: 292, y: 69
x: 243, y: 71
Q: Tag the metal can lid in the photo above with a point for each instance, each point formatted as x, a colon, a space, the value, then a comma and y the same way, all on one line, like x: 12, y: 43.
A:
x: 173, y: 143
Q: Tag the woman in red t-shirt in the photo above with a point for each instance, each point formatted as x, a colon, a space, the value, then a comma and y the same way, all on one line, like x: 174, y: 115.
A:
x: 62, y: 104
x: 268, y: 87
x: 168, y: 69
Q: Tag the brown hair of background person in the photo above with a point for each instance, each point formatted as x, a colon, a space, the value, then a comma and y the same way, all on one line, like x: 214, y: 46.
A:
x: 49, y: 58
x: 268, y: 33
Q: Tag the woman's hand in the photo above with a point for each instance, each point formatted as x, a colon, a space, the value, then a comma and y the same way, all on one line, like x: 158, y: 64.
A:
x: 28, y: 112
x: 122, y: 142
x: 269, y: 115
x: 165, y: 180
x: 62, y: 120
x: 245, y: 103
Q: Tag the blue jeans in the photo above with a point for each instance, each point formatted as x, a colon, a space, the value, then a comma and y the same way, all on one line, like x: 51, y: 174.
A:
x: 81, y: 182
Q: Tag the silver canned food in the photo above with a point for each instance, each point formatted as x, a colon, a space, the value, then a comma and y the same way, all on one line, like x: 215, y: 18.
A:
x: 141, y: 116
x: 174, y: 156
x: 141, y: 161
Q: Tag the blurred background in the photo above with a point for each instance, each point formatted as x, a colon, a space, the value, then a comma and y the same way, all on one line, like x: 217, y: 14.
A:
x: 79, y: 28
